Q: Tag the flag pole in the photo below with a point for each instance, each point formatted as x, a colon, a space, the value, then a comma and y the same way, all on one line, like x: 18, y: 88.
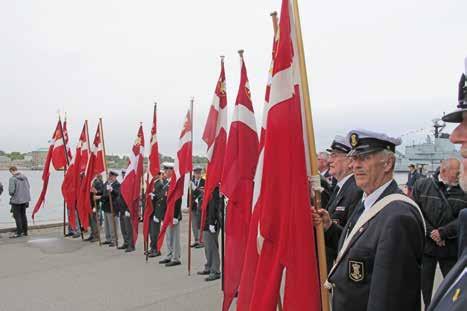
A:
x: 114, y: 225
x: 190, y: 191
x: 222, y: 224
x: 275, y: 26
x: 89, y: 152
x: 146, y: 240
x: 312, y: 155
x: 64, y: 172
x: 143, y: 196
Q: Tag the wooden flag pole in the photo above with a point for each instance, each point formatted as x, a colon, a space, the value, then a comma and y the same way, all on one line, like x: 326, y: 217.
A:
x: 275, y: 26
x: 146, y: 240
x: 190, y: 191
x: 114, y: 225
x: 312, y: 155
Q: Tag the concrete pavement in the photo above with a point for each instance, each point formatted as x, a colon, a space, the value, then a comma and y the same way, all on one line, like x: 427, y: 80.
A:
x: 48, y: 272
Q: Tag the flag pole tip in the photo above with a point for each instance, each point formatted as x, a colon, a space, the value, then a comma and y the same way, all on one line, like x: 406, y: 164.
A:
x: 240, y: 52
x: 274, y: 13
x: 222, y: 57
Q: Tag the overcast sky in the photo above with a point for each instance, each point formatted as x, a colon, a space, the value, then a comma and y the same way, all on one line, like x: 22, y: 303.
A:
x: 383, y: 65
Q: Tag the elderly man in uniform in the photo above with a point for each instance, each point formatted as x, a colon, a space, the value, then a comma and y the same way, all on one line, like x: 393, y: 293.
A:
x: 441, y: 199
x: 211, y: 237
x: 104, y: 196
x: 159, y: 204
x: 172, y: 236
x: 381, y: 246
x: 346, y: 194
x: 198, y: 183
x: 451, y: 295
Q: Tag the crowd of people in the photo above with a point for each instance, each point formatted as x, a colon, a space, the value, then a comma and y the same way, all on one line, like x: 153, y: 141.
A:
x: 110, y: 211
x: 382, y: 245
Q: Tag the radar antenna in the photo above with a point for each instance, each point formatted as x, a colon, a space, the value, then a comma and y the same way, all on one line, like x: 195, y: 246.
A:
x: 438, y: 127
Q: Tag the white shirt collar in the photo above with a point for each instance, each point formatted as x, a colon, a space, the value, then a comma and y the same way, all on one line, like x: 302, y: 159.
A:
x: 343, y: 180
x: 341, y: 183
x: 370, y: 199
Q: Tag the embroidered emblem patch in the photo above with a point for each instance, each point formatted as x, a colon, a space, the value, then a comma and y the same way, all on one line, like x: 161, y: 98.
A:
x: 340, y: 208
x: 356, y: 270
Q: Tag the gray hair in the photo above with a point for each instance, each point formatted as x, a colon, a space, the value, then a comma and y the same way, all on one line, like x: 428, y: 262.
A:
x: 446, y: 164
x: 389, y: 156
x: 324, y: 155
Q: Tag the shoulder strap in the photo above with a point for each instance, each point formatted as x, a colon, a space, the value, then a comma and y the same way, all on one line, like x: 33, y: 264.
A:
x: 370, y: 214
x: 445, y: 200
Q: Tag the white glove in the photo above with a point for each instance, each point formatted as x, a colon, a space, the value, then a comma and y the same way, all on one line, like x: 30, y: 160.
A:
x: 152, y: 195
x: 155, y: 219
x: 175, y: 221
x: 315, y: 182
x: 94, y: 210
x: 212, y: 228
x: 127, y: 213
x: 109, y: 188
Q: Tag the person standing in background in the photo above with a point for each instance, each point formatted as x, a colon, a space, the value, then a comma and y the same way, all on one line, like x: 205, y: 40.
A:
x: 411, y: 179
x: 20, y: 194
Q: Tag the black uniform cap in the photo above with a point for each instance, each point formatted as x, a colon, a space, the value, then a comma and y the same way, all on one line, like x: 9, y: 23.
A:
x: 458, y: 115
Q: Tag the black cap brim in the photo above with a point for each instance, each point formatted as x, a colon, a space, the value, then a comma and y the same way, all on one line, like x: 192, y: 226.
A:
x: 362, y: 151
x: 336, y: 150
x: 455, y: 117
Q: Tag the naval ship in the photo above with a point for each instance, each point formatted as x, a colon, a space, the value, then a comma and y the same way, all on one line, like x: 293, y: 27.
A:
x: 428, y: 155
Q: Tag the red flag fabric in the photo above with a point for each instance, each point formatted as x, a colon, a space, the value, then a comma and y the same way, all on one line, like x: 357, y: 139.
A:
x: 285, y: 223
x: 131, y: 184
x: 215, y: 137
x: 67, y: 140
x: 59, y: 155
x: 240, y: 161
x: 153, y: 171
x: 252, y: 253
x: 96, y: 166
x: 55, y: 156
x: 183, y: 167
x: 69, y: 170
x: 72, y: 181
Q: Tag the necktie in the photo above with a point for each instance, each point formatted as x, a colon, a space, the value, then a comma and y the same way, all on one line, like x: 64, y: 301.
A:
x: 356, y: 215
x: 333, y: 195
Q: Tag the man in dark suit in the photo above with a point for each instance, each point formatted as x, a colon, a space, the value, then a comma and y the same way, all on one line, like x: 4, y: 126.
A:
x: 211, y: 237
x: 172, y: 236
x: 159, y: 203
x: 451, y: 294
x: 381, y: 247
x: 111, y: 191
x: 441, y: 199
x: 346, y: 194
x: 198, y: 183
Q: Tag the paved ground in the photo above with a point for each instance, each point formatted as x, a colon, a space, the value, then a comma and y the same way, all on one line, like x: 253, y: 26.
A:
x: 48, y: 272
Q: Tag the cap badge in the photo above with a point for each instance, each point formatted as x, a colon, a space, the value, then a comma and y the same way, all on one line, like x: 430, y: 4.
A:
x: 354, y: 140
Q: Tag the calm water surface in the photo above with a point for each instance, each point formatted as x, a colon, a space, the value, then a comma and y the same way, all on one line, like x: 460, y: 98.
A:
x: 52, y: 211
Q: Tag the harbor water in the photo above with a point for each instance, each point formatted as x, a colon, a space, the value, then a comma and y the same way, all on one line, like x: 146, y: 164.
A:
x: 52, y: 211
